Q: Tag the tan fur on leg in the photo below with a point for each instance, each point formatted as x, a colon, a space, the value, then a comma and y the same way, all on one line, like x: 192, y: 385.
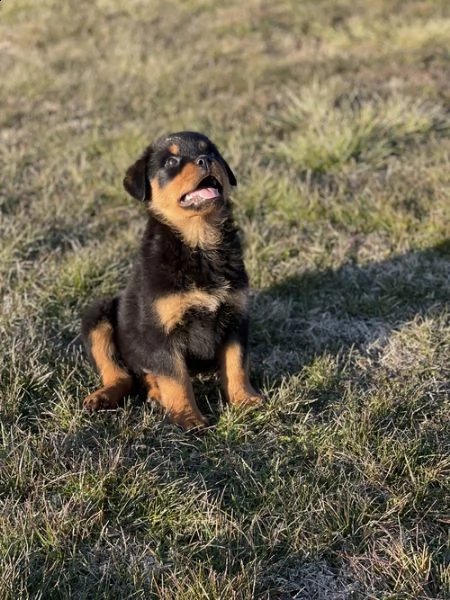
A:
x: 177, y: 397
x: 117, y: 383
x: 234, y: 376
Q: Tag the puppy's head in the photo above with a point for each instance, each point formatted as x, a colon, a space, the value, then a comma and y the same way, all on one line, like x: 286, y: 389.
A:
x: 181, y: 175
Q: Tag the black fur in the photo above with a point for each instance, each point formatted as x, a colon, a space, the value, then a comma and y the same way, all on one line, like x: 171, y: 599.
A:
x: 165, y: 265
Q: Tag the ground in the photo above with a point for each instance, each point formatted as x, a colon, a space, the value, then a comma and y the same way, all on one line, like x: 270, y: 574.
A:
x: 335, y: 116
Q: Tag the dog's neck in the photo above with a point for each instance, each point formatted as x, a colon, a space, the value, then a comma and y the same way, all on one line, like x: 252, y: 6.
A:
x: 203, y: 232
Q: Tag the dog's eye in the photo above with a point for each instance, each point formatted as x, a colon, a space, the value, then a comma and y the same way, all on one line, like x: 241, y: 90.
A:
x: 171, y: 161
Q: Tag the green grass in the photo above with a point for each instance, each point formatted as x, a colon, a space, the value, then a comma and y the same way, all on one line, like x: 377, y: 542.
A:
x: 335, y: 118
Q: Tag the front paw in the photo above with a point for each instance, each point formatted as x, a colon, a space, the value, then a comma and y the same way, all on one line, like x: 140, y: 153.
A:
x: 99, y: 400
x: 246, y: 399
x: 189, y: 421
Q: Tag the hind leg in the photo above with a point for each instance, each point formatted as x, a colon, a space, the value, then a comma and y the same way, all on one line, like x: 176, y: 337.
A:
x: 117, y: 382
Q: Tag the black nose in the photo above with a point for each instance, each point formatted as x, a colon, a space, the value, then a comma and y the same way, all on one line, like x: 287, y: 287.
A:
x: 204, y: 162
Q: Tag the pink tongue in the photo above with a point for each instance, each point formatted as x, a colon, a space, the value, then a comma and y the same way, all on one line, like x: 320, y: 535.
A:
x: 204, y: 194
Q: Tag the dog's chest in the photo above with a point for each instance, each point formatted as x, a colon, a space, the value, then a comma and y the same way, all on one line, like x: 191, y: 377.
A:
x: 205, y: 270
x: 207, y: 289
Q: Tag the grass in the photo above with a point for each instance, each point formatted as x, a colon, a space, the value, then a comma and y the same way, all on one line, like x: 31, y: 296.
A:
x: 335, y: 117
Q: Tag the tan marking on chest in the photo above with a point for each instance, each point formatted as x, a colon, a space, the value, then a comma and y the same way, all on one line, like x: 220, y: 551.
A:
x: 172, y: 308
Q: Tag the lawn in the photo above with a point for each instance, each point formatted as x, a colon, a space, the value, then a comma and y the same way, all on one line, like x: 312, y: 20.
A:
x: 335, y: 117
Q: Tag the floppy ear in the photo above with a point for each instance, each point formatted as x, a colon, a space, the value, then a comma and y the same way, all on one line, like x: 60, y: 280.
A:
x: 136, y: 180
x: 230, y: 173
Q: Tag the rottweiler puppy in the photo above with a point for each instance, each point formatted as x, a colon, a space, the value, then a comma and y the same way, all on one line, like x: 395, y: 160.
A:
x: 185, y: 309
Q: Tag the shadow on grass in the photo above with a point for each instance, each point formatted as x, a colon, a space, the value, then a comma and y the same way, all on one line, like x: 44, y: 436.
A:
x: 334, y: 310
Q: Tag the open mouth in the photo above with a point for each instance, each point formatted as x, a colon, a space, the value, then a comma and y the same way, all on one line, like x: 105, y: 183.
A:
x: 208, y: 191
